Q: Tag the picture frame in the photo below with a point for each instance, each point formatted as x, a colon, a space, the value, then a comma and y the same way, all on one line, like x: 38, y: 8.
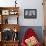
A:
x: 0, y: 36
x: 5, y: 12
x: 30, y: 13
x: 0, y: 19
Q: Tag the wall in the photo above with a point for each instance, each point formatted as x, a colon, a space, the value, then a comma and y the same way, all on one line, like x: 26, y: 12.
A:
x: 27, y: 4
x: 32, y: 4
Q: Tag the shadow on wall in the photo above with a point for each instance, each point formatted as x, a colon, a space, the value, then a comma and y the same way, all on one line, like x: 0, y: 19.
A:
x: 37, y: 29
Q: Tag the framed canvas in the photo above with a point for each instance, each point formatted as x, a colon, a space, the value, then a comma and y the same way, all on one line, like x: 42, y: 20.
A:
x: 0, y: 36
x: 0, y: 19
x: 30, y: 13
x: 5, y: 12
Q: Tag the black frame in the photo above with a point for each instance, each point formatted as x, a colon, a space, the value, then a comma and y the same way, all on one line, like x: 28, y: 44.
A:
x: 30, y: 13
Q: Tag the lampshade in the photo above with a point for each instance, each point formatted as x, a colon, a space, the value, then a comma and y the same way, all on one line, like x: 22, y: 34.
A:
x: 15, y: 3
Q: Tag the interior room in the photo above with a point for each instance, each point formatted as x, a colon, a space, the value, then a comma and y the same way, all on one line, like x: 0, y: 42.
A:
x: 22, y: 22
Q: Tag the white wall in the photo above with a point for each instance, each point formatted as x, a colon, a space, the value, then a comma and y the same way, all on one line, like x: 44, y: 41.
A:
x: 27, y: 4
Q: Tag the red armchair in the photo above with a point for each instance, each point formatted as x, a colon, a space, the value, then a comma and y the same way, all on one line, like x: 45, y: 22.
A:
x: 29, y: 34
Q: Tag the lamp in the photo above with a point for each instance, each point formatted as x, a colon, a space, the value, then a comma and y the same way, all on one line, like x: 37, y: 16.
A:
x: 15, y: 3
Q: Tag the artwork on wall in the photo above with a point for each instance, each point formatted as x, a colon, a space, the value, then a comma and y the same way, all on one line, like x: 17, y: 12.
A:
x: 30, y: 13
x: 5, y: 12
x: 0, y: 36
